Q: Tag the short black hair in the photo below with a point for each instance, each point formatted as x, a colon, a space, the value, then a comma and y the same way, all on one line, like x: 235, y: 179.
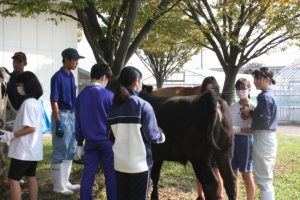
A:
x: 99, y: 70
x: 242, y: 81
x: 32, y: 85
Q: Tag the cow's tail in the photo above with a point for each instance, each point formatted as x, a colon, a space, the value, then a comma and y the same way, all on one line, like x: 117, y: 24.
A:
x: 215, y: 117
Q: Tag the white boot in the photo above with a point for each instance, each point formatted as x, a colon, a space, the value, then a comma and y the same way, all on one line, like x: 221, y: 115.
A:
x: 57, y: 179
x: 267, y: 195
x: 67, y: 166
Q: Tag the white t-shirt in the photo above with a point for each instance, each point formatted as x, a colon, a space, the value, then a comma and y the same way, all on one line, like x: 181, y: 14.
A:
x: 237, y: 121
x: 28, y: 147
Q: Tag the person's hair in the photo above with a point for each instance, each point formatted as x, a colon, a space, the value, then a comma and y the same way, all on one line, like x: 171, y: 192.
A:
x: 243, y: 81
x: 99, y: 70
x: 264, y: 72
x: 127, y: 76
x: 210, y: 80
x: 32, y: 86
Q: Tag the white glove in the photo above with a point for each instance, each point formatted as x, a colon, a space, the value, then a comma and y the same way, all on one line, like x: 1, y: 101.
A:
x: 162, y: 139
x: 6, y: 136
x: 79, y: 153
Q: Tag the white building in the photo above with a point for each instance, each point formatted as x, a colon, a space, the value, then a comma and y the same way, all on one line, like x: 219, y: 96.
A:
x: 42, y: 41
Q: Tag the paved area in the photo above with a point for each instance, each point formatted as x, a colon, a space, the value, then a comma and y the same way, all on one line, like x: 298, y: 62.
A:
x: 289, y: 129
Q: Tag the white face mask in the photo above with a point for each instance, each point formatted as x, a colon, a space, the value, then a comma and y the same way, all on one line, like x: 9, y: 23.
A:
x: 242, y: 94
x: 20, y: 90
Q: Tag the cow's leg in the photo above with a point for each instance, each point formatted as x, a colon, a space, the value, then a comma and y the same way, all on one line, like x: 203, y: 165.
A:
x: 228, y: 177
x: 155, y: 174
x: 206, y: 177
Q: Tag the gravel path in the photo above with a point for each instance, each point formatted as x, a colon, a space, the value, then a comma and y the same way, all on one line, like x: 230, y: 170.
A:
x: 289, y: 130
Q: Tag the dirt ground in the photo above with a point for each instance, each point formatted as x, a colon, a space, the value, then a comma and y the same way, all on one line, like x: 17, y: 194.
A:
x: 289, y: 130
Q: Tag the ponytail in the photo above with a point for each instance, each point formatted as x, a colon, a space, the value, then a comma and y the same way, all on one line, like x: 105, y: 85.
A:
x: 121, y: 94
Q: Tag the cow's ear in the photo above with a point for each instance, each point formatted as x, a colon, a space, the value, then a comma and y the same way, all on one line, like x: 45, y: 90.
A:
x: 147, y: 88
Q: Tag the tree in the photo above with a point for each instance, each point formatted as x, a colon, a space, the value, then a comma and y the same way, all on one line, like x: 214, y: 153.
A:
x: 109, y: 26
x: 238, y: 31
x: 169, y: 45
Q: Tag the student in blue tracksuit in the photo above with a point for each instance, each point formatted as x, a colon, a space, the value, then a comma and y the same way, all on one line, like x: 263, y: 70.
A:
x: 134, y: 128
x: 264, y: 124
x: 91, y: 109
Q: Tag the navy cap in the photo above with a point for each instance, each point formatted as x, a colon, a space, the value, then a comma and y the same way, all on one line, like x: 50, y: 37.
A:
x: 71, y: 53
x: 20, y: 56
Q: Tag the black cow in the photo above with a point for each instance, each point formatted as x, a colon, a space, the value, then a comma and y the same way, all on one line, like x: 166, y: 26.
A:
x: 197, y: 128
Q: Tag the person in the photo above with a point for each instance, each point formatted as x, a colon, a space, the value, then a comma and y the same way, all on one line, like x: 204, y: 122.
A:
x: 243, y: 140
x: 210, y: 83
x: 133, y: 128
x: 92, y: 106
x: 62, y: 97
x: 264, y: 125
x: 19, y: 63
x: 26, y: 143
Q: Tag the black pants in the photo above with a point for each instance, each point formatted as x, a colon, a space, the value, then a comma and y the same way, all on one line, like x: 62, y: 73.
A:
x: 132, y: 186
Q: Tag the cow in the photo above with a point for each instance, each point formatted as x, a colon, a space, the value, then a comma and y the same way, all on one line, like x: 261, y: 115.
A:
x: 174, y: 91
x: 197, y: 128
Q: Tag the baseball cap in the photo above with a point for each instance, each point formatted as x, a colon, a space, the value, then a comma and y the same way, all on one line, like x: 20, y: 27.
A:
x: 20, y: 56
x: 71, y: 53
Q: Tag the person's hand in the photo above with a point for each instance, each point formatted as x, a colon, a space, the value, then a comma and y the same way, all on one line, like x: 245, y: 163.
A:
x: 162, y: 139
x: 245, y: 113
x: 246, y: 130
x: 6, y: 136
x: 79, y: 153
x: 59, y: 129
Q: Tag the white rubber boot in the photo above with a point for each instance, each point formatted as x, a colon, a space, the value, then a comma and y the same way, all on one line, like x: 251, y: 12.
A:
x: 57, y: 180
x: 267, y: 195
x: 67, y: 166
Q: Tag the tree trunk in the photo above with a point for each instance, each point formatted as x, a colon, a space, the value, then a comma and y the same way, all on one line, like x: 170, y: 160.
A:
x: 124, y: 44
x: 228, y: 92
x: 159, y: 82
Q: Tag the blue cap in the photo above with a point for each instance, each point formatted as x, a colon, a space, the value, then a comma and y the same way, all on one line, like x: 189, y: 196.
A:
x: 71, y: 53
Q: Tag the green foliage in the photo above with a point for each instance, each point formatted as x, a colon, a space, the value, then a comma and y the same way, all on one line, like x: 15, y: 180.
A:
x: 109, y: 26
x: 171, y: 43
x: 238, y: 31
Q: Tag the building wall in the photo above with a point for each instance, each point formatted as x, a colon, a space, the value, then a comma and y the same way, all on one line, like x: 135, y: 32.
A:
x: 42, y: 41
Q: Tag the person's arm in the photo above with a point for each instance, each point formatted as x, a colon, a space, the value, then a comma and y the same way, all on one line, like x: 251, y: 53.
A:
x: 55, y: 110
x: 78, y: 133
x: 25, y: 131
x: 150, y: 127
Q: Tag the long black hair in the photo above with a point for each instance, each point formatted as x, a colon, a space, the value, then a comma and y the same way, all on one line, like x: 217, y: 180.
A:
x: 264, y: 72
x: 32, y: 86
x: 127, y: 76
x: 210, y: 80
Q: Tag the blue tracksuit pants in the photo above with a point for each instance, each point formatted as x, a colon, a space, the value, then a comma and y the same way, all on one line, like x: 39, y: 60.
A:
x: 96, y: 153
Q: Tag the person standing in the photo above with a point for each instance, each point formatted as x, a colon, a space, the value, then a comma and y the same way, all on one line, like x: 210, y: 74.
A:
x: 91, y: 110
x: 26, y: 143
x: 264, y: 125
x: 243, y: 140
x: 19, y: 63
x: 62, y: 97
x: 210, y: 83
x: 133, y: 128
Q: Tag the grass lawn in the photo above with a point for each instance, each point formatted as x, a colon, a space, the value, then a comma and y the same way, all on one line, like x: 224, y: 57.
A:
x: 177, y: 181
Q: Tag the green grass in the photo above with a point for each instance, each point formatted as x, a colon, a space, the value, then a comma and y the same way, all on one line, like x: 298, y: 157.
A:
x: 178, y: 182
